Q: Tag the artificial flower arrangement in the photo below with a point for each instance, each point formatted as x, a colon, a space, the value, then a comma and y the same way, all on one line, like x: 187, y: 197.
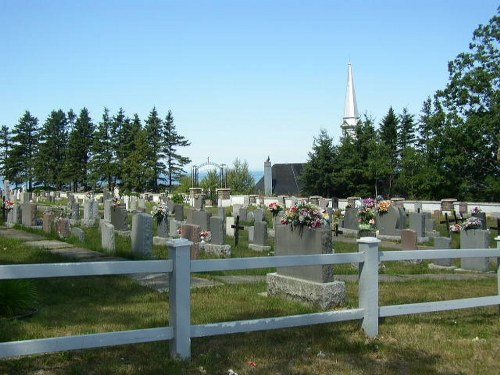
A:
x: 275, y: 208
x: 303, y: 215
x: 205, y: 235
x: 476, y: 210
x: 9, y: 205
x: 383, y: 207
x: 160, y: 212
x: 366, y: 213
x: 115, y: 201
x: 470, y: 223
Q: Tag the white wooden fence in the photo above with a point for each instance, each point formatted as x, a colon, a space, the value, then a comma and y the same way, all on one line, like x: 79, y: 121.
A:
x: 179, y: 266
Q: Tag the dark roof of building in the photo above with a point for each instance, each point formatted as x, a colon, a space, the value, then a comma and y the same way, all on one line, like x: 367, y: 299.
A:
x: 285, y: 179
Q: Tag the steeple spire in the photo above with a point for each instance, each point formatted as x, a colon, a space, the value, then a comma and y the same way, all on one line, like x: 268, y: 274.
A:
x: 351, y: 116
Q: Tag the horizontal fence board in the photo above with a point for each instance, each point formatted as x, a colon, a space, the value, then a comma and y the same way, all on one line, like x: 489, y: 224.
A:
x: 28, y: 271
x: 96, y: 340
x: 425, y: 307
x: 385, y: 256
x: 210, y: 265
x: 240, y: 326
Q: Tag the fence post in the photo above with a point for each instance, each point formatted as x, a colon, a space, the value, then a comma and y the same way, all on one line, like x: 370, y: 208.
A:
x: 497, y: 238
x: 180, y: 297
x: 368, y: 284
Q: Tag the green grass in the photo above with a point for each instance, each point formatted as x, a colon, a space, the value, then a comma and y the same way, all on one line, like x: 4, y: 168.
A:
x: 455, y: 342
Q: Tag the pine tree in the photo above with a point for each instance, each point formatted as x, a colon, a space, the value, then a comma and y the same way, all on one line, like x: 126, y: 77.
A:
x: 101, y: 165
x: 174, y: 162
x: 138, y: 169
x: 76, y: 166
x: 4, y: 147
x: 154, y: 140
x: 19, y: 165
x: 317, y: 174
x: 51, y: 150
x: 406, y: 130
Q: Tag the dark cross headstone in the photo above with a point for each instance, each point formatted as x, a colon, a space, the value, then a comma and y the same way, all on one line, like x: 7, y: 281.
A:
x: 237, y: 227
x: 336, y: 230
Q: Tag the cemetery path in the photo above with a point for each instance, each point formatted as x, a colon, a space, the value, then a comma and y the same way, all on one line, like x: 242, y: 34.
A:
x: 159, y: 281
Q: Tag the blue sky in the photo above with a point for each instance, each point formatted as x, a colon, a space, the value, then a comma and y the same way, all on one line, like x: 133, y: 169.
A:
x: 244, y: 79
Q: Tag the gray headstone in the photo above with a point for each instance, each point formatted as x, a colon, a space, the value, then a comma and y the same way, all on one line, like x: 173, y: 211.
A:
x: 74, y: 211
x: 108, y: 204
x: 189, y: 212
x: 142, y: 234
x: 296, y: 242
x: 107, y: 236
x: 173, y: 227
x: 475, y: 239
x: 217, y: 230
x: 48, y: 221
x: 251, y: 231
x: 243, y: 213
x: 78, y: 233
x: 201, y: 218
x: 28, y: 214
x: 258, y: 215
x: 260, y: 233
x: 162, y: 228
x: 141, y: 205
x: 132, y: 204
x: 481, y: 216
x: 179, y: 212
x: 388, y: 223
x: 417, y: 223
x: 119, y: 217
x: 443, y: 243
x: 351, y: 218
x: 236, y: 210
x: 63, y: 227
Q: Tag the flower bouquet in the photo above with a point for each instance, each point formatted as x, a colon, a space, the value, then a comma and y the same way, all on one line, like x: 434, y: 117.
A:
x: 303, y: 215
x: 160, y: 213
x: 383, y: 207
x: 275, y: 208
x: 9, y: 205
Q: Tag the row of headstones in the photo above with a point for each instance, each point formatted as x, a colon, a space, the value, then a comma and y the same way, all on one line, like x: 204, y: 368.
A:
x: 470, y: 239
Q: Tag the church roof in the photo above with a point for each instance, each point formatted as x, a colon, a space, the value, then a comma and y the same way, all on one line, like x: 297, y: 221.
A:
x: 285, y: 179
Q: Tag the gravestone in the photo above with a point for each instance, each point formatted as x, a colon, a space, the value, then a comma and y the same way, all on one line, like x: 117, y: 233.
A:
x: 221, y: 212
x: 216, y: 246
x: 119, y: 218
x: 141, y: 205
x: 74, y: 214
x: 258, y: 215
x: 442, y: 243
x: 107, y: 236
x: 236, y: 210
x: 313, y: 284
x: 17, y: 214
x: 250, y: 216
x: 142, y: 234
x: 170, y: 205
x: 351, y: 219
x: 462, y: 208
x: 28, y: 214
x: 250, y: 230
x: 179, y: 212
x: 217, y: 230
x: 173, y: 227
x: 88, y: 212
x: 63, y: 227
x: 132, y: 204
x: 429, y: 223
x: 78, y: 233
x: 475, y: 239
x: 48, y: 221
x: 108, y: 205
x: 201, y: 218
x: 417, y: 223
x: 192, y: 233
x: 189, y: 212
x: 229, y: 226
x: 260, y: 237
x: 162, y: 228
x: 408, y: 239
x: 389, y: 223
x: 448, y: 204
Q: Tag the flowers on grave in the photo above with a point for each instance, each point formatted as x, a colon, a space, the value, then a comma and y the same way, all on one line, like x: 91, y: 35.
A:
x: 303, y: 215
x: 160, y: 212
x: 205, y: 236
x: 383, y: 207
x: 476, y: 210
x: 366, y: 213
x: 115, y: 201
x: 275, y: 208
x: 9, y: 205
x: 471, y: 223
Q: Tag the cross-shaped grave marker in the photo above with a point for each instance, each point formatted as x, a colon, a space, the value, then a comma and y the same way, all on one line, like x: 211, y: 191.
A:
x: 237, y: 227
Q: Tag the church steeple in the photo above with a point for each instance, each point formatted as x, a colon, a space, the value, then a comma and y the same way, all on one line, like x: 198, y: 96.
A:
x: 351, y: 116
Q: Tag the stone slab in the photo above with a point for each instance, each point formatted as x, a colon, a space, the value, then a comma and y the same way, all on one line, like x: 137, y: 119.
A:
x: 49, y: 244
x: 20, y: 235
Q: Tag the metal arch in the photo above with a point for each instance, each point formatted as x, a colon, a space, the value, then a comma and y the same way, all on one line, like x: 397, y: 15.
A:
x: 195, y: 168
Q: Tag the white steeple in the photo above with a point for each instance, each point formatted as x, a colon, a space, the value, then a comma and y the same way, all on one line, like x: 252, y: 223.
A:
x: 351, y: 116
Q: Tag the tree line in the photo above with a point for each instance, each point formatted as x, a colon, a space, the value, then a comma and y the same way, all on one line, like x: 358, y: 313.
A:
x: 450, y: 150
x: 70, y: 151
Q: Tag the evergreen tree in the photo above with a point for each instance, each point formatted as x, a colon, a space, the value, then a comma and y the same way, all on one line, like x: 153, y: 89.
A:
x: 76, y: 166
x: 4, y: 147
x: 51, y: 150
x: 138, y: 169
x: 388, y: 136
x: 406, y: 130
x: 174, y: 162
x: 239, y: 179
x: 101, y: 164
x: 154, y: 139
x: 19, y: 165
x: 317, y: 173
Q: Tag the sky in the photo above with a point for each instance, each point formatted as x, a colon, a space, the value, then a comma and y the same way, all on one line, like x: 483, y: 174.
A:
x: 243, y: 79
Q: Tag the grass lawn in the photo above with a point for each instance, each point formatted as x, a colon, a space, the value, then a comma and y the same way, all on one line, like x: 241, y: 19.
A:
x: 456, y: 342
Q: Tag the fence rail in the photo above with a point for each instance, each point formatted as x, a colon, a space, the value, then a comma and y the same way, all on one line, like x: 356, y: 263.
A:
x: 180, y: 266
